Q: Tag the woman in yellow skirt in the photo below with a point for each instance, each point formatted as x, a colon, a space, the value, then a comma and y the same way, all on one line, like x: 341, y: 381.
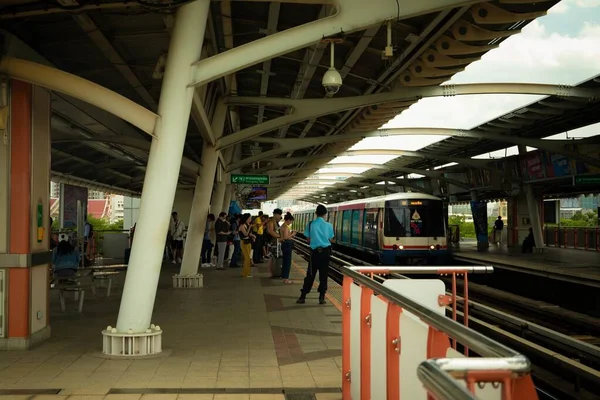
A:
x: 246, y: 237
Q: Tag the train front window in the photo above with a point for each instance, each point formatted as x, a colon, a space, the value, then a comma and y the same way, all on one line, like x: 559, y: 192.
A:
x: 423, y: 220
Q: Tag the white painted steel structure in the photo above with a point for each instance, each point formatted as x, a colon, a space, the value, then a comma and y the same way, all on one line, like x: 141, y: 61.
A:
x: 162, y: 172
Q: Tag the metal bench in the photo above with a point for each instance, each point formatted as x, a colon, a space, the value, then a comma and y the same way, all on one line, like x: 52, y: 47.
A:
x: 69, y: 285
x: 103, y: 276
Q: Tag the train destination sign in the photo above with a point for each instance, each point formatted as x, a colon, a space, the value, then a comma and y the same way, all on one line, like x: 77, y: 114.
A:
x: 250, y: 179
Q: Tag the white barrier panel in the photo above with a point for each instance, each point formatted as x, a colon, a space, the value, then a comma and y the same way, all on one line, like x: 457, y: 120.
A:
x: 414, y: 333
x: 379, y: 345
x: 355, y: 322
x: 488, y: 392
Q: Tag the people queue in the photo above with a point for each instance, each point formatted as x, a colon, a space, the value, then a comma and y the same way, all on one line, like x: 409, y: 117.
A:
x: 241, y: 241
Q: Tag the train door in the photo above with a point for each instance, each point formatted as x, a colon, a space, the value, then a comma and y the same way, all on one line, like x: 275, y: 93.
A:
x: 370, y: 229
x: 339, y: 226
x: 346, y: 225
x: 356, y: 227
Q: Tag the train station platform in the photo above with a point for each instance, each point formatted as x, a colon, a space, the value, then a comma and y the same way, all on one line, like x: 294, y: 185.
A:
x: 570, y: 265
x: 234, y: 339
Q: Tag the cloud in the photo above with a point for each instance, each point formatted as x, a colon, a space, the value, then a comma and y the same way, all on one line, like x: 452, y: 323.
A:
x: 534, y: 56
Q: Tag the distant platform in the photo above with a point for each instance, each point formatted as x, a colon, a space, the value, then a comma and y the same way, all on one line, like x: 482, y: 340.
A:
x: 570, y: 265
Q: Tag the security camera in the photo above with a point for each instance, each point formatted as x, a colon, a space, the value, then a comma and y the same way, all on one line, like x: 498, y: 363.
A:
x: 332, y: 81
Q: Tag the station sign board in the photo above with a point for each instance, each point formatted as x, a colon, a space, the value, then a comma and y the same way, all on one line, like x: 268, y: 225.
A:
x: 250, y: 179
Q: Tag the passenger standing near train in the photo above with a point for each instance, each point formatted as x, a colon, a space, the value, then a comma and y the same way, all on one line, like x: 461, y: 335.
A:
x: 320, y: 236
x: 246, y: 236
x: 222, y: 228
x: 258, y: 242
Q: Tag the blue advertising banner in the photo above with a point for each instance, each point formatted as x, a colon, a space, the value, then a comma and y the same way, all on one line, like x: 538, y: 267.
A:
x: 557, y: 165
x: 479, y: 210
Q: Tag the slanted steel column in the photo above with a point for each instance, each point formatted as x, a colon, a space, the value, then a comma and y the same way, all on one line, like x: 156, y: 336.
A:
x: 217, y: 201
x: 228, y: 196
x: 164, y: 163
x: 534, y: 211
x: 201, y: 200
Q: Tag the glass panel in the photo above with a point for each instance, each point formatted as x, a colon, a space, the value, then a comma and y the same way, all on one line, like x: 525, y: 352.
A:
x: 417, y: 219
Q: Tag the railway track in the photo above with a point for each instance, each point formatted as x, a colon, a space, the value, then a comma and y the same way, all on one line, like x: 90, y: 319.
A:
x: 562, y: 345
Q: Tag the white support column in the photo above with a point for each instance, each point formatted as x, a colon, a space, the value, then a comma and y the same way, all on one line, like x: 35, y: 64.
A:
x: 534, y: 212
x: 201, y: 201
x: 200, y: 204
x: 218, y: 197
x: 160, y: 183
x: 228, y: 195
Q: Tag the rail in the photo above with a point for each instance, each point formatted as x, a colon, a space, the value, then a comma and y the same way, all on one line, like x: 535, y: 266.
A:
x: 583, y: 238
x: 393, y: 313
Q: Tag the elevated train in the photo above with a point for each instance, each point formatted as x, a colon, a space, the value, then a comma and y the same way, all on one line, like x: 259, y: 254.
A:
x: 398, y: 229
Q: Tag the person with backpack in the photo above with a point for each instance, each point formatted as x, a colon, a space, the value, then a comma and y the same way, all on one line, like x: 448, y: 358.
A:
x: 65, y: 258
x: 320, y: 235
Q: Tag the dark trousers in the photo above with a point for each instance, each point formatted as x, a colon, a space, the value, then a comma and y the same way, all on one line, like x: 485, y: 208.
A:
x: 206, y: 251
x: 258, y: 252
x: 235, y: 258
x: 286, y: 248
x: 319, y: 261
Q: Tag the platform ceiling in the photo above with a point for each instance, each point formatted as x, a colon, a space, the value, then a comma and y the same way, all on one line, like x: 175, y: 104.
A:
x: 120, y: 46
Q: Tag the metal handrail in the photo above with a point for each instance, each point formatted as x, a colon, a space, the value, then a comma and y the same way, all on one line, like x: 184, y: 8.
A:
x: 499, y: 357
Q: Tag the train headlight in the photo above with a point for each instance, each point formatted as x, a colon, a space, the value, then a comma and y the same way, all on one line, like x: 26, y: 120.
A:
x: 395, y: 247
x: 401, y: 247
x: 437, y: 247
x: 432, y: 247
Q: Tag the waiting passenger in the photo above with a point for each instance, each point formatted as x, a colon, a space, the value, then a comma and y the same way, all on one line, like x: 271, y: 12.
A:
x: 287, y: 246
x: 272, y: 238
x: 65, y: 258
x: 207, y: 243
x: 247, y: 237
x: 320, y: 236
x: 237, y: 249
x: 498, y: 227
x: 177, y: 229
x: 258, y: 230
x: 528, y: 243
x: 222, y: 228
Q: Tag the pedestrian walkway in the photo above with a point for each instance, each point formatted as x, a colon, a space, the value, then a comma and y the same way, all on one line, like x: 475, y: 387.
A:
x: 234, y: 339
x: 569, y: 265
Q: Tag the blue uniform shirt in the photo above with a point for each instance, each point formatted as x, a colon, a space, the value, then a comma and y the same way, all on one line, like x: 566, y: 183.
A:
x: 320, y: 232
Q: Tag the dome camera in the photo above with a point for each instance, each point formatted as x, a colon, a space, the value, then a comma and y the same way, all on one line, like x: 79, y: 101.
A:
x: 332, y: 81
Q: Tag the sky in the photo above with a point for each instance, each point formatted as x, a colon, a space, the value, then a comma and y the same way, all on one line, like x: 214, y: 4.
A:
x: 562, y: 47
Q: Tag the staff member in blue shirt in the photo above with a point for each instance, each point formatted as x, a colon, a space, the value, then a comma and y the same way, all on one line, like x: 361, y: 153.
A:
x: 320, y: 235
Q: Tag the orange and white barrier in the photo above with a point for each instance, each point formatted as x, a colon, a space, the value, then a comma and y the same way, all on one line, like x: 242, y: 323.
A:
x: 396, y: 343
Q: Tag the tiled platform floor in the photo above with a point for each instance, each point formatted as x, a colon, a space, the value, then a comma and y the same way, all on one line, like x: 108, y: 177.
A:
x: 236, y: 334
x: 558, y: 262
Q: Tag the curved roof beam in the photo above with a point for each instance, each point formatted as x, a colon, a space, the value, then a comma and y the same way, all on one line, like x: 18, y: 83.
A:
x: 286, y: 145
x: 351, y: 16
x: 82, y: 89
x: 305, y: 109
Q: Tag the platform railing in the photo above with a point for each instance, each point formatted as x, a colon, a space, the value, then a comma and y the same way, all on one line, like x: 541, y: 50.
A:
x: 583, y: 238
x: 396, y: 342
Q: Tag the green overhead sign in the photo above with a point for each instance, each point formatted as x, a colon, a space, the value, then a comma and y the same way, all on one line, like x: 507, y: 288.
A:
x: 250, y: 179
x: 587, y: 180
